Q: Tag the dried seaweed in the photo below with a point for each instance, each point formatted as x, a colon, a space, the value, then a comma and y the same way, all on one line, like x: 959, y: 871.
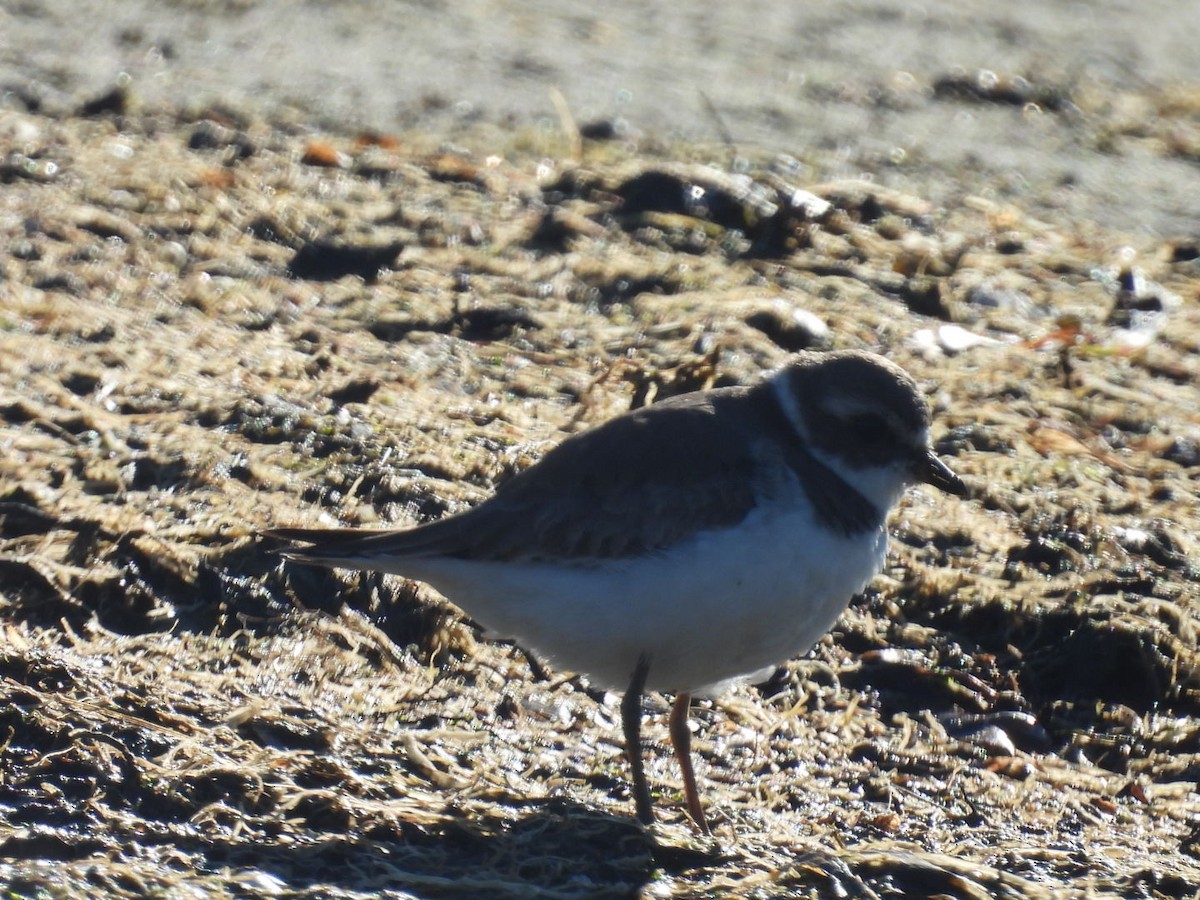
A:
x: 1012, y: 709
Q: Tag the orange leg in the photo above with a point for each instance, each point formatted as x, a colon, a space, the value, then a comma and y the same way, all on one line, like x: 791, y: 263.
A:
x: 681, y: 740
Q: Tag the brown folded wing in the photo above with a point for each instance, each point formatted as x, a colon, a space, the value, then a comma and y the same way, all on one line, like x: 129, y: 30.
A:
x: 634, y: 486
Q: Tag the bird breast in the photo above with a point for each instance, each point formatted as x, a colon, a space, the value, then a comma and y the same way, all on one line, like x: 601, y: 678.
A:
x: 723, y: 604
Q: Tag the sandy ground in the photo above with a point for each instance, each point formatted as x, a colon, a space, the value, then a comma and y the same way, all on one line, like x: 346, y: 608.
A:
x: 217, y: 316
x: 851, y: 81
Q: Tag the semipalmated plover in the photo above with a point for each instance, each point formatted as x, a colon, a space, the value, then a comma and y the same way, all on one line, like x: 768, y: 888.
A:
x: 685, y: 546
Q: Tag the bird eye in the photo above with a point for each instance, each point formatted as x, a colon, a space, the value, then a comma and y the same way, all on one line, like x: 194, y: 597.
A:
x: 868, y: 429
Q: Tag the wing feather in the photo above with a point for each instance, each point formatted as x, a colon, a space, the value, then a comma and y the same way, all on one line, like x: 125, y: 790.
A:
x: 633, y: 486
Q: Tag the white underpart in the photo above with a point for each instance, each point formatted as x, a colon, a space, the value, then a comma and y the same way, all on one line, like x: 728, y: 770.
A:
x: 708, y: 612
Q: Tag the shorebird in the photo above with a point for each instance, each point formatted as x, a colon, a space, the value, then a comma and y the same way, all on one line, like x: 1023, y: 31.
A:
x: 682, y: 547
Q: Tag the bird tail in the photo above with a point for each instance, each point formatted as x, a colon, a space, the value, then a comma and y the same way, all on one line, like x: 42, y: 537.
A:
x: 357, y: 548
x: 332, y: 547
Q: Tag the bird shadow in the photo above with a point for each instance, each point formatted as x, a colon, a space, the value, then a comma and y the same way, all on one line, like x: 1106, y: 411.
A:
x: 558, y: 847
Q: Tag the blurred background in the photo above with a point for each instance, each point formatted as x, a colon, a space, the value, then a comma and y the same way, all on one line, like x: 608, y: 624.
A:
x: 1088, y: 109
